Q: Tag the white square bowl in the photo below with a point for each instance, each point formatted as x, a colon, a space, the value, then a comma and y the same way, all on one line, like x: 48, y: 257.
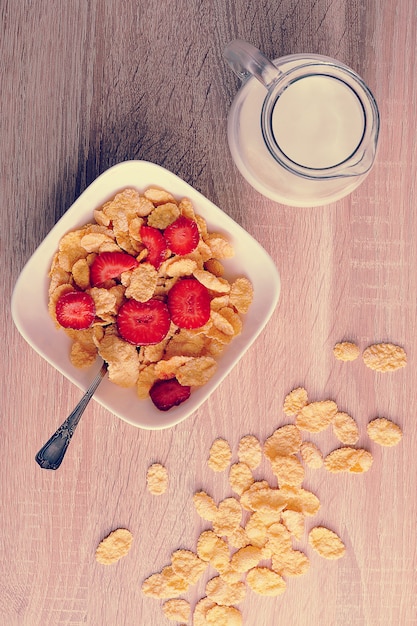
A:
x: 30, y: 295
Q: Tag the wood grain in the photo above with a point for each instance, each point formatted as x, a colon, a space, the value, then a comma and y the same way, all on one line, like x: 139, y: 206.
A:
x: 88, y: 84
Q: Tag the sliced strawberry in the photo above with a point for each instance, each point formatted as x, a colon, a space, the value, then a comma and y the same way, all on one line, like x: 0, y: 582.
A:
x: 168, y: 393
x: 75, y: 309
x: 109, y: 265
x: 155, y: 243
x: 143, y: 323
x: 182, y: 236
x: 189, y: 303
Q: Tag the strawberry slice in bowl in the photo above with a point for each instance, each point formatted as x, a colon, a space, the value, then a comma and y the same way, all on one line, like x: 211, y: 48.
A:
x: 155, y: 242
x: 182, y: 236
x: 76, y: 310
x: 143, y: 323
x: 166, y: 394
x: 108, y: 265
x: 189, y: 303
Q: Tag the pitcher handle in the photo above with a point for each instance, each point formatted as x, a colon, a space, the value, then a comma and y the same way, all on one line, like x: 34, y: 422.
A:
x: 246, y: 61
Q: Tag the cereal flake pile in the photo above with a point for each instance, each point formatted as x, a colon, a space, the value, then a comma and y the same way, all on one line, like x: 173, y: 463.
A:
x: 249, y: 543
x: 143, y: 287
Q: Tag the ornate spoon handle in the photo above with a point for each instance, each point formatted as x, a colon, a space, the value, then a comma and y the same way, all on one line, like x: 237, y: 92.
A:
x: 50, y: 456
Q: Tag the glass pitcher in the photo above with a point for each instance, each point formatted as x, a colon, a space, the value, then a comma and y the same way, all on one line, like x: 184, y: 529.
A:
x: 303, y: 129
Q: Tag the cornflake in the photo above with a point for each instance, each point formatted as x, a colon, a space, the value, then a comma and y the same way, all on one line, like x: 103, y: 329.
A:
x: 316, y: 416
x: 228, y: 518
x: 348, y: 459
x: 214, y: 550
x: 285, y: 440
x: 157, y: 479
x: 241, y: 294
x: 326, y: 543
x: 294, y: 522
x: 288, y: 470
x: 188, y: 565
x: 346, y: 351
x: 115, y: 546
x: 240, y: 477
x: 384, y: 432
x: 250, y: 451
x: 200, y: 611
x: 311, y: 455
x: 295, y: 401
x: 384, y: 357
x: 265, y: 581
x: 220, y: 455
x: 224, y: 616
x: 345, y: 428
x: 205, y: 506
x: 165, y: 584
x: 226, y: 594
x: 177, y: 610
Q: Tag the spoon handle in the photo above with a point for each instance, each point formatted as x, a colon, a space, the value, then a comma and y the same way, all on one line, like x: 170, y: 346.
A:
x: 51, y: 455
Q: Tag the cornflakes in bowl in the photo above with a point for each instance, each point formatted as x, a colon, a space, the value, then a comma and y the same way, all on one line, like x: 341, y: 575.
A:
x: 242, y: 279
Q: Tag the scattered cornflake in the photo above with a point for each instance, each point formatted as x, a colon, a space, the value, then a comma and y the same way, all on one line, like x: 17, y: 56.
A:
x: 326, y: 543
x: 200, y: 611
x: 238, y: 538
x: 265, y: 581
x: 228, y: 518
x: 316, y: 416
x: 115, y: 546
x: 250, y: 451
x: 295, y: 401
x: 311, y: 454
x: 256, y: 530
x: 345, y: 428
x: 384, y: 357
x: 262, y: 521
x: 294, y: 522
x: 288, y: 470
x: 165, y: 584
x: 244, y: 559
x: 177, y: 610
x: 157, y: 479
x: 346, y: 351
x: 240, y: 477
x: 224, y: 616
x: 300, y: 499
x: 384, y: 432
x: 188, y: 565
x: 284, y: 441
x: 220, y: 455
x: 291, y: 563
x: 348, y: 459
x: 279, y: 541
x: 227, y: 594
x: 205, y: 506
x: 214, y: 550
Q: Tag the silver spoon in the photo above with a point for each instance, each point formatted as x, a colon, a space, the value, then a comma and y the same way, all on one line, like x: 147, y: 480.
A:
x: 51, y: 455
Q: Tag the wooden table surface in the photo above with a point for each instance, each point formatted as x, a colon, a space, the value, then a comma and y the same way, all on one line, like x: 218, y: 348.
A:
x: 85, y: 85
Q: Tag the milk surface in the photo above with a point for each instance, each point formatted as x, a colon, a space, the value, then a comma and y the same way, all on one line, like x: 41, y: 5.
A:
x: 318, y: 121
